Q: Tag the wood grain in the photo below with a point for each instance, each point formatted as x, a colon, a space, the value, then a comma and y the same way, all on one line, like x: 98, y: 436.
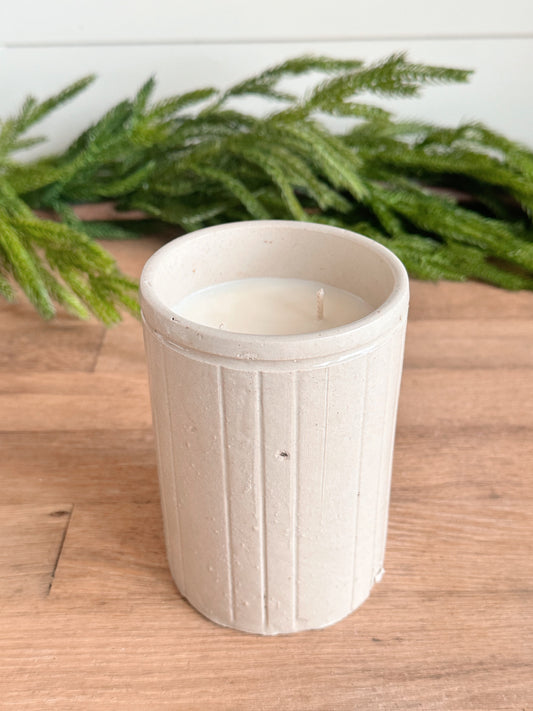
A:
x: 115, y: 553
x: 89, y: 615
x: 457, y: 399
x: 122, y: 349
x: 469, y: 343
x: 64, y: 344
x: 32, y: 537
x: 73, y: 401
x: 91, y: 465
x: 450, y: 300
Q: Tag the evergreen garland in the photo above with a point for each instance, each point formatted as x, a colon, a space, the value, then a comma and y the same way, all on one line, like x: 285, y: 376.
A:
x: 452, y: 203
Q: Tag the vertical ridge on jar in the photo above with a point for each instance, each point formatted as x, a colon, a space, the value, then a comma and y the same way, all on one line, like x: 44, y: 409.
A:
x: 165, y: 459
x: 357, y: 490
x: 295, y: 493
x: 324, y: 443
x: 278, y: 416
x: 328, y: 485
x: 261, y: 489
x: 243, y: 459
x: 398, y: 342
x: 226, y: 487
x: 381, y: 471
x: 178, y: 539
x: 375, y: 436
x: 199, y: 478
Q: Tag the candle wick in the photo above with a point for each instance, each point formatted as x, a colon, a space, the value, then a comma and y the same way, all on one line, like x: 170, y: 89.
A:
x: 320, y: 304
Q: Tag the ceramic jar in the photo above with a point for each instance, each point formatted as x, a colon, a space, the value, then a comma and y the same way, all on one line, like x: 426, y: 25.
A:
x: 274, y: 452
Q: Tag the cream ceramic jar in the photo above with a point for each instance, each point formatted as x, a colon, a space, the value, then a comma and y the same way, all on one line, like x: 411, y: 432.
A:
x: 274, y: 452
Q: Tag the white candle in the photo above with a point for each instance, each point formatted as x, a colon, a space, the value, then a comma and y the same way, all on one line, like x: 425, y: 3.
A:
x: 272, y: 306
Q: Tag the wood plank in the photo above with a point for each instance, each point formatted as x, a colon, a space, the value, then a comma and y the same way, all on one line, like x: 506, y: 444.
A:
x: 456, y: 300
x: 114, y: 552
x: 123, y: 349
x: 448, y: 628
x: 32, y: 537
x: 82, y: 466
x: 430, y: 398
x: 456, y: 545
x: 119, y: 465
x: 455, y: 399
x: 481, y: 464
x: 66, y: 344
x: 467, y: 398
x: 442, y: 343
x: 29, y: 343
x: 122, y: 346
x: 469, y: 343
x: 397, y: 652
x: 74, y: 401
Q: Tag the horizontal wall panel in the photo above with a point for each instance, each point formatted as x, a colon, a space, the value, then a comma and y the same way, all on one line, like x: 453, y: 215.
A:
x: 84, y: 21
x: 498, y: 94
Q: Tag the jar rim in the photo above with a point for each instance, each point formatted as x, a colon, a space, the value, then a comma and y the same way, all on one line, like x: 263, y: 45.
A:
x: 189, y: 335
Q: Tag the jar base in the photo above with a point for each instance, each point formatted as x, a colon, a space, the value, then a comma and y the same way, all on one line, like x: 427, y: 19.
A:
x: 268, y: 631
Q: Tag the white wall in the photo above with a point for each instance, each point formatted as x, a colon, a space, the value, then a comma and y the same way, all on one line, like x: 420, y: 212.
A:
x: 208, y: 42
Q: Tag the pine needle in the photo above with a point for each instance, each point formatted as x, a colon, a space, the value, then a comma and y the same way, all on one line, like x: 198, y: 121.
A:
x: 194, y: 160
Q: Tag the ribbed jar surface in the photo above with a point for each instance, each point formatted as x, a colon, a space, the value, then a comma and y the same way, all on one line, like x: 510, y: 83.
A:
x: 275, y: 474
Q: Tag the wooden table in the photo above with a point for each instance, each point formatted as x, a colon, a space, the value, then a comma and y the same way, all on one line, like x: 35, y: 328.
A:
x: 90, y: 618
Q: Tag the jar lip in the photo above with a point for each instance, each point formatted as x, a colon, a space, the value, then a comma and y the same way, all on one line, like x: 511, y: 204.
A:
x: 161, y: 318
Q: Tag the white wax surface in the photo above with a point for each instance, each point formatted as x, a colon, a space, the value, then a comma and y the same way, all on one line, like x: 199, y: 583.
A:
x: 272, y: 306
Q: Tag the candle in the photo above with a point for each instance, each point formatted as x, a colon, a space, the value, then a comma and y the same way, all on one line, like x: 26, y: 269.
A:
x: 272, y: 306
x: 274, y: 354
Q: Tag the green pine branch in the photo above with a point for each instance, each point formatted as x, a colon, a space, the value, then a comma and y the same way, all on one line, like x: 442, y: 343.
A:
x: 198, y: 159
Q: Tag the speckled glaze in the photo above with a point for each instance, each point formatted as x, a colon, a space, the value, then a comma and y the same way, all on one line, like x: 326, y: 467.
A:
x: 274, y: 452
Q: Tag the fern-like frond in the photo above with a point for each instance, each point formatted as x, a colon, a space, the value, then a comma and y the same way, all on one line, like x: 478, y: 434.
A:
x: 197, y: 159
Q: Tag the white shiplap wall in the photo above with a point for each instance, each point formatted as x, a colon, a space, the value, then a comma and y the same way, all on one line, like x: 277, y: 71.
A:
x: 45, y: 45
